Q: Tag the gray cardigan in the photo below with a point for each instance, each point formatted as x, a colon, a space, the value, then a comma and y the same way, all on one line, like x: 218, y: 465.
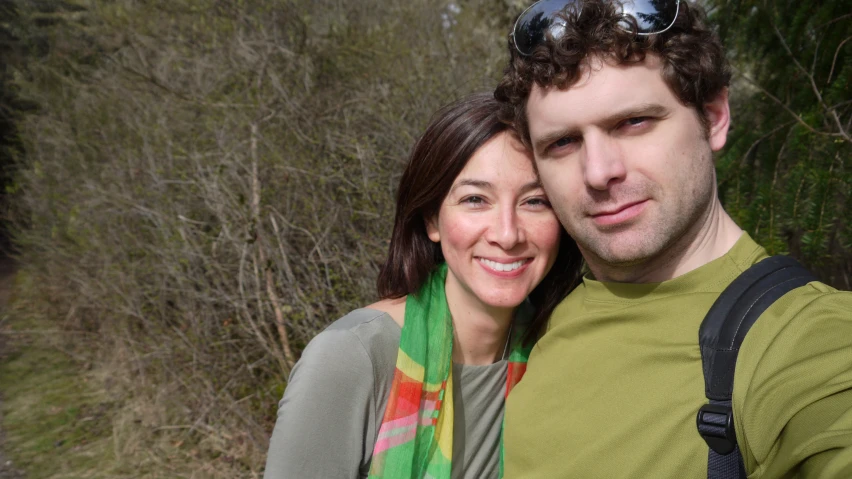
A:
x: 336, y: 396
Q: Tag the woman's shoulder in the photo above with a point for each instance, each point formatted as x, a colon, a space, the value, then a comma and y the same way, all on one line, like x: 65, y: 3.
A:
x: 363, y: 336
x: 364, y: 324
x: 393, y: 307
x: 333, y: 399
x: 360, y: 319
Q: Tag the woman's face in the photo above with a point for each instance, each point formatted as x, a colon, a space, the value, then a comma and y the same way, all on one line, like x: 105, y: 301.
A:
x: 497, y: 231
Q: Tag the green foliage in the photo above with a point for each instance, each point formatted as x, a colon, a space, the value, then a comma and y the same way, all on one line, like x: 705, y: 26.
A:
x: 10, y: 104
x: 784, y: 175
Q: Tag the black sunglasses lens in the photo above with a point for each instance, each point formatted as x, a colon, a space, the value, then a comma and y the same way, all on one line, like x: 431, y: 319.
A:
x: 532, y: 26
x: 652, y: 16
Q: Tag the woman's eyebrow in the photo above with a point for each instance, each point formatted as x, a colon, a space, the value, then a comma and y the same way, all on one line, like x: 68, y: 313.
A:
x: 471, y: 182
x: 488, y: 185
x: 532, y: 185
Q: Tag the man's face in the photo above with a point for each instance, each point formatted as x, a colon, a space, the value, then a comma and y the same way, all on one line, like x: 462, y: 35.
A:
x: 627, y: 167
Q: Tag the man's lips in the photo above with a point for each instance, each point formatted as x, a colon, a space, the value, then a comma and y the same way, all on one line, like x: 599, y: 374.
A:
x: 619, y: 214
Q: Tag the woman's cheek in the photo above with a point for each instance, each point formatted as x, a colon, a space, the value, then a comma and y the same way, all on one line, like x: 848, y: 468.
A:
x: 550, y: 232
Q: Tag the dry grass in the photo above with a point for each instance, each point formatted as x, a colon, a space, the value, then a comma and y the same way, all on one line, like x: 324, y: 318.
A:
x: 207, y: 185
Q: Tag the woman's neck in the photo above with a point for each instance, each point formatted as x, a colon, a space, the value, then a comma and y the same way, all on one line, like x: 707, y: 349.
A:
x: 480, y: 334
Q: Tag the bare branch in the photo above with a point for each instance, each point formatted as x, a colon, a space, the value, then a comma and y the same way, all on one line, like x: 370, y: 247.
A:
x: 784, y: 105
x: 834, y: 60
x: 833, y: 114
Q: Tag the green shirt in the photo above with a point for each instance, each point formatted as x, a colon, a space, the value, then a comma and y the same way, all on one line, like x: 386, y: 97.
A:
x: 613, y: 387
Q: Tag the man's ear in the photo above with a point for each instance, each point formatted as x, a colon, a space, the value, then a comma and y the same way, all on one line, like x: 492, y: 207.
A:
x: 718, y: 115
x: 432, y: 229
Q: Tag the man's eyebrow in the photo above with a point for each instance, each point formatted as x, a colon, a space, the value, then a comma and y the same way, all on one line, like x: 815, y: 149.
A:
x: 633, y: 111
x: 542, y: 143
x: 644, y: 109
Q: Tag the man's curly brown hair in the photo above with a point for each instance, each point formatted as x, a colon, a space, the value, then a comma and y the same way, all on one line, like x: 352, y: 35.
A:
x: 692, y: 57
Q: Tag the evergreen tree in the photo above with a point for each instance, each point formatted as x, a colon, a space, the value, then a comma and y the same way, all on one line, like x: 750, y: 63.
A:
x: 784, y: 176
x: 9, y: 103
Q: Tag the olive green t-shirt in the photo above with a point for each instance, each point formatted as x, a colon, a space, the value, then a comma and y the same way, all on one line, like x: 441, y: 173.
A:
x: 613, y: 387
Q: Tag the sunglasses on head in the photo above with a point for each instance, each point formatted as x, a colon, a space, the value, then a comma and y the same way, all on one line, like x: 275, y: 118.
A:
x: 542, y: 17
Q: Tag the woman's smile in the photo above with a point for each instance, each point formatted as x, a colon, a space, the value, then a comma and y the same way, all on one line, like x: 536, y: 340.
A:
x: 496, y: 229
x: 504, y: 267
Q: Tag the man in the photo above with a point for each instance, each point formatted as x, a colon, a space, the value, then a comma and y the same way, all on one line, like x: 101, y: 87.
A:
x: 623, y: 114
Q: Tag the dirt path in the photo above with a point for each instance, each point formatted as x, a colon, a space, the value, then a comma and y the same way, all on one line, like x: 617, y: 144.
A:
x: 7, y: 276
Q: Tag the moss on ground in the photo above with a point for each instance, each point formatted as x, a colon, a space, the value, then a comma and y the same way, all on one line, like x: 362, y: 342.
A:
x: 62, y: 419
x: 56, y: 423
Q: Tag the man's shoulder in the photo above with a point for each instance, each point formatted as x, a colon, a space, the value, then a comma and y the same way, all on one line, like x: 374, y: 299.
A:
x: 795, y: 355
x: 814, y: 299
x: 817, y: 288
x: 808, y: 319
x: 810, y: 304
x: 747, y: 253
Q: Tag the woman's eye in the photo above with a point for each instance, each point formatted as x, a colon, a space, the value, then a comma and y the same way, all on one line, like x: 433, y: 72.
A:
x: 473, y: 200
x: 538, y: 202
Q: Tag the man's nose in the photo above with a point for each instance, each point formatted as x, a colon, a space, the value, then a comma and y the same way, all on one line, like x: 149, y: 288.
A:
x: 603, y: 163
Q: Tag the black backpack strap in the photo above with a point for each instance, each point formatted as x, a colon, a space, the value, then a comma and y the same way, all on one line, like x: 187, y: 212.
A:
x: 720, y: 336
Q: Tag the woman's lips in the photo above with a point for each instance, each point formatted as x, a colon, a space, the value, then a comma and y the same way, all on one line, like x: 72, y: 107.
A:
x: 510, y: 269
x: 619, y: 215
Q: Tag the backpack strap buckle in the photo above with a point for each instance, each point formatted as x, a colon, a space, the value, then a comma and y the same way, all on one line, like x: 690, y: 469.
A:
x: 716, y: 426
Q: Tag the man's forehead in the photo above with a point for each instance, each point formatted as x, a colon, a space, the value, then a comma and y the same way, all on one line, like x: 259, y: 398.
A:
x: 601, y: 86
x: 588, y: 69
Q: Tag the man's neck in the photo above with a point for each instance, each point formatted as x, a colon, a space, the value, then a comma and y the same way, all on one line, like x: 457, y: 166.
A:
x: 707, y: 241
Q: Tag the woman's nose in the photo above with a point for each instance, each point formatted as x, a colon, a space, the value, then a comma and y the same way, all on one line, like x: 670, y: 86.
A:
x: 506, y: 231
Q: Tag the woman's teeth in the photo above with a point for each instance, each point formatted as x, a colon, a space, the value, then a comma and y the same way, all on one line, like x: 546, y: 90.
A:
x: 500, y: 266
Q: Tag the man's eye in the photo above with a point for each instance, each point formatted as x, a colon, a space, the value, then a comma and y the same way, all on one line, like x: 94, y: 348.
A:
x: 563, y: 142
x: 636, y: 121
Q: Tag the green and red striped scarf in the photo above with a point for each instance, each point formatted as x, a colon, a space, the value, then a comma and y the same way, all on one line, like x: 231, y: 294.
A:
x: 415, y: 439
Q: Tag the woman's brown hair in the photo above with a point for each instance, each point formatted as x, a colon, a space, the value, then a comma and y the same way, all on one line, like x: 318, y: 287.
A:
x: 453, y: 135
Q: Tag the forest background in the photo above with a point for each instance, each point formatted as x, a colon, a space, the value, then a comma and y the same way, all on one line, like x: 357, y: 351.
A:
x: 194, y: 188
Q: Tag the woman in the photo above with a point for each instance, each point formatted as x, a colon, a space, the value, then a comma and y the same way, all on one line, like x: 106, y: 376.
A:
x: 415, y: 383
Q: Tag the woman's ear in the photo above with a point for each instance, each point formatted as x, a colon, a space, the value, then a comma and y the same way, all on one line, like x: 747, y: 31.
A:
x: 432, y: 229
